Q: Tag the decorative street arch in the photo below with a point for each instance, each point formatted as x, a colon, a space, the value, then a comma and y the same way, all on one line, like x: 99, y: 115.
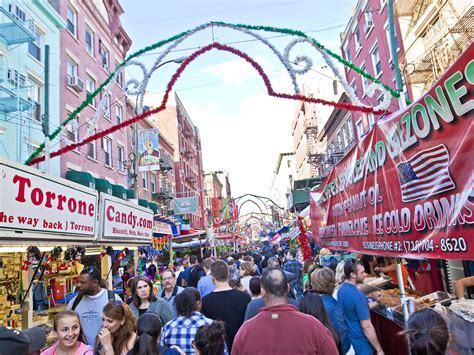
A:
x: 300, y: 65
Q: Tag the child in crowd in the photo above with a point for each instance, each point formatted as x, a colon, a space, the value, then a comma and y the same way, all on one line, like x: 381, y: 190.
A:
x: 67, y: 327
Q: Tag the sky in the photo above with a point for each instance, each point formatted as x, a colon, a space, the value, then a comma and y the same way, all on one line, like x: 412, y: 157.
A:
x: 242, y: 129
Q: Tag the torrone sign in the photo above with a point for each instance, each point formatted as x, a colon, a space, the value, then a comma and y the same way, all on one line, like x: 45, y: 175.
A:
x: 34, y: 202
x: 407, y: 187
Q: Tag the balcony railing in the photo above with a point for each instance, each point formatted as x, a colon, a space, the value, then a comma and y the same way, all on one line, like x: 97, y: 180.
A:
x: 14, y: 27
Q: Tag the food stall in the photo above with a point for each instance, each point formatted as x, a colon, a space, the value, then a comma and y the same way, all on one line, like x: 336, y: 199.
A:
x: 405, y: 191
x: 45, y: 222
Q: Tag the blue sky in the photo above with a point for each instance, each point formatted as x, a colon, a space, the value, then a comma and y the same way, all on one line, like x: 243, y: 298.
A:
x: 242, y: 129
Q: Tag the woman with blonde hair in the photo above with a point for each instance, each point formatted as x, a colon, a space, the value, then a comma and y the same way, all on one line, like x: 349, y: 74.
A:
x: 117, y: 335
x: 71, y: 340
x: 246, y: 272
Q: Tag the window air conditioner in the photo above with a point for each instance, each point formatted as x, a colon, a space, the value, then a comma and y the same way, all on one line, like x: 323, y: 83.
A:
x: 75, y: 83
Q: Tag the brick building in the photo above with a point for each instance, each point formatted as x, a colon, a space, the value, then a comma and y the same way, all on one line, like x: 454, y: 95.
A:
x: 176, y: 125
x: 92, y: 45
x: 365, y: 42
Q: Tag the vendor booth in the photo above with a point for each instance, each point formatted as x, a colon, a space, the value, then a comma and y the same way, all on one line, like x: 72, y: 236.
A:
x: 45, y: 222
x: 406, y: 191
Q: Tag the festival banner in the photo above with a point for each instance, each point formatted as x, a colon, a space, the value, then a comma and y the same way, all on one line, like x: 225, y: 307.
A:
x: 216, y: 205
x: 406, y: 189
x: 148, y: 150
x: 185, y: 205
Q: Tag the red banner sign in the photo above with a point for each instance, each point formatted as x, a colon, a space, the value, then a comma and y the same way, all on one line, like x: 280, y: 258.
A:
x: 407, y: 187
x: 216, y: 206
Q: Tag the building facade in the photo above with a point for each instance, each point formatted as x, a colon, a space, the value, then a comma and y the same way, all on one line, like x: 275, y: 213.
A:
x: 434, y: 34
x: 365, y: 42
x: 26, y: 27
x: 92, y: 45
x: 283, y: 177
x: 158, y: 185
x: 176, y: 125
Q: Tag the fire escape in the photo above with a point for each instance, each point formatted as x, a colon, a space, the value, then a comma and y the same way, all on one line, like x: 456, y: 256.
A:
x: 450, y: 31
x: 15, y: 29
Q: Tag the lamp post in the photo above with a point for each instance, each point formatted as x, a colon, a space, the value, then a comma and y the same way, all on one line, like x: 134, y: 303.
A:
x: 134, y: 155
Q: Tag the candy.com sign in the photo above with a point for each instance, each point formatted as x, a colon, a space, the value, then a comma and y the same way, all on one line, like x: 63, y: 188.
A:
x: 124, y: 220
x: 32, y: 201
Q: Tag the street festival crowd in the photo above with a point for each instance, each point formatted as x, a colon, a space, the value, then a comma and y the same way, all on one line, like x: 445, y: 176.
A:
x: 260, y: 301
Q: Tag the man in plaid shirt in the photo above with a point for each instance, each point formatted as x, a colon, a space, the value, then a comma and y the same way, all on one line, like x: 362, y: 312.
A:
x: 182, y: 330
x: 296, y: 268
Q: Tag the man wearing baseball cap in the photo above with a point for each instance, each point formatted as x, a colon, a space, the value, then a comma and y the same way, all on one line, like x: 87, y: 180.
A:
x: 13, y: 341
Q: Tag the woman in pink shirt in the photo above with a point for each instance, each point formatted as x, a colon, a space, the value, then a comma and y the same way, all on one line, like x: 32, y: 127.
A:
x: 67, y: 327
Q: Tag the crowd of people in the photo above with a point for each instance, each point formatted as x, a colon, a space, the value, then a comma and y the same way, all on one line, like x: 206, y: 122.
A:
x: 257, y: 302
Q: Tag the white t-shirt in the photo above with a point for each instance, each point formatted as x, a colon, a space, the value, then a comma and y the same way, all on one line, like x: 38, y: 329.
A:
x: 90, y: 312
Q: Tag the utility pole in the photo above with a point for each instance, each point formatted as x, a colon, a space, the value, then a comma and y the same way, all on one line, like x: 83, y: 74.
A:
x: 394, y: 54
x: 46, y: 109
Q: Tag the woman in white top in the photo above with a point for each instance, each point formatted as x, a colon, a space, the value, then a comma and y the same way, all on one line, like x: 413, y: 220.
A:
x: 246, y: 271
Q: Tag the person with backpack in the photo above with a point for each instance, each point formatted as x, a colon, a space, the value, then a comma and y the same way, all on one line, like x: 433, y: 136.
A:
x: 90, y: 302
x: 197, y: 271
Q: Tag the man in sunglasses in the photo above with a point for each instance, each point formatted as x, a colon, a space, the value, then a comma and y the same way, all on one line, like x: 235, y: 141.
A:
x: 90, y: 302
x: 355, y: 306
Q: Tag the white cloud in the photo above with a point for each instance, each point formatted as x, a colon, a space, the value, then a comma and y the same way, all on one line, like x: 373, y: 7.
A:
x: 233, y: 71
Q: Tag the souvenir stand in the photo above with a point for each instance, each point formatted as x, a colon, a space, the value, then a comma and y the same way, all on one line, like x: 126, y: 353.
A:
x: 123, y: 227
x: 43, y: 220
x: 405, y: 191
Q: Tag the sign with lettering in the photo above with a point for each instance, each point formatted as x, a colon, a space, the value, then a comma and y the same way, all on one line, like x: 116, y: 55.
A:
x: 39, y: 203
x: 161, y: 227
x: 407, y: 187
x: 123, y: 220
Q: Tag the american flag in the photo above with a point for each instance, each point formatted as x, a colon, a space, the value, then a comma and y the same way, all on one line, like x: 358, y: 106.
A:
x: 425, y: 174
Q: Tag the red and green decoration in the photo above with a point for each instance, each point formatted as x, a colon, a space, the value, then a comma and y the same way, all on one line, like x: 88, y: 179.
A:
x: 303, y: 239
x: 301, y: 64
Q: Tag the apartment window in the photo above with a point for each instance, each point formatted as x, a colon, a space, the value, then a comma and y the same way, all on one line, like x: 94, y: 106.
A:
x: 107, y: 106
x: 119, y: 77
x: 89, y: 41
x: 371, y: 119
x: 119, y: 113
x: 358, y: 44
x: 145, y: 180
x: 73, y: 130
x: 354, y: 86
x: 108, y: 151
x: 348, y: 53
x: 71, y: 69
x: 91, y: 146
x: 376, y: 64
x: 345, y: 137
x: 369, y: 22
x: 90, y: 88
x: 104, y: 55
x: 153, y: 182
x: 121, y: 158
x: 380, y: 98
x: 350, y: 129
x: 364, y: 81
x: 71, y: 21
x: 34, y: 96
x: 34, y: 47
x: 360, y: 129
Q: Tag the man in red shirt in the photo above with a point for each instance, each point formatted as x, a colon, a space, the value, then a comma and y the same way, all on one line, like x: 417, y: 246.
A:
x: 279, y: 328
